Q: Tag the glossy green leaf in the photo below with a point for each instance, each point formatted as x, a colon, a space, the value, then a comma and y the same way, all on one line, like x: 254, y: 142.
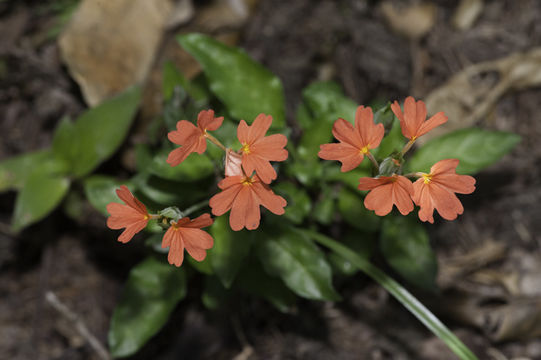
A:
x: 100, y: 190
x: 14, y: 171
x: 243, y: 85
x: 230, y: 249
x: 97, y: 133
x: 298, y: 201
x: 195, y: 167
x: 351, y: 206
x: 475, y: 148
x: 406, y: 247
x: 293, y: 257
x: 151, y: 293
x: 40, y: 195
x: 254, y: 280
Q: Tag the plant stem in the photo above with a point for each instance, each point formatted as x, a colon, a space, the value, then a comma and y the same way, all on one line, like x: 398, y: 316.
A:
x: 373, y: 160
x: 400, y: 293
x: 215, y: 141
x: 407, y: 146
x: 195, y: 207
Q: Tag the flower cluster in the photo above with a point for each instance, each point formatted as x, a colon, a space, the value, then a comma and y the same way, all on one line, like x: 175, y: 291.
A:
x: 182, y: 234
x: 435, y: 190
x: 248, y: 173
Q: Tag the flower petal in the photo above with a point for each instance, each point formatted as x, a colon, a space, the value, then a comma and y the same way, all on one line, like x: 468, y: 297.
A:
x: 223, y: 201
x: 368, y: 183
x: 349, y: 156
x: 380, y: 199
x: 259, y: 127
x: 431, y: 123
x: 125, y: 195
x: 207, y: 121
x: 344, y: 132
x: 185, y: 130
x: 274, y: 203
x: 402, y: 191
x: 245, y: 211
x: 200, y: 222
x: 271, y: 147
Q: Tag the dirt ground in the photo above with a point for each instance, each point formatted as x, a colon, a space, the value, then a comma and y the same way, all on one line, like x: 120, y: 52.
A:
x: 490, y: 258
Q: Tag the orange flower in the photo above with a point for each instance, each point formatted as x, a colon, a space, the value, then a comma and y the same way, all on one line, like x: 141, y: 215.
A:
x: 187, y: 234
x: 192, y: 138
x: 355, y: 142
x: 437, y: 191
x: 133, y: 216
x: 386, y: 192
x: 259, y: 150
x: 243, y: 195
x: 412, y: 121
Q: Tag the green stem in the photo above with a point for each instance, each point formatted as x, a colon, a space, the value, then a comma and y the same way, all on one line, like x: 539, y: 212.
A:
x: 399, y: 292
x: 195, y: 207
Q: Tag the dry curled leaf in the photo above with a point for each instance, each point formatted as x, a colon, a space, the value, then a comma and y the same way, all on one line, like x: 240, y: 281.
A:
x: 469, y: 95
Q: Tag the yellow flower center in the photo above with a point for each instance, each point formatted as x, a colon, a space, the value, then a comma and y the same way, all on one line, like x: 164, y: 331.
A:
x: 365, y: 149
x: 245, y: 148
x: 247, y: 181
x: 427, y: 178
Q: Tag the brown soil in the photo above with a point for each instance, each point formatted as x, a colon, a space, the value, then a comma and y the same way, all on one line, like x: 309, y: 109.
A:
x: 300, y: 41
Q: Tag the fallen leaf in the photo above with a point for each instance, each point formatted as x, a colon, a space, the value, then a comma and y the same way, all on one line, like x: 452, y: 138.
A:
x: 469, y: 95
x: 110, y: 45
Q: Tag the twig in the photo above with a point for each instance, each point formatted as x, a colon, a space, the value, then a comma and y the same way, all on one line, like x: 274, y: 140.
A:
x: 53, y: 300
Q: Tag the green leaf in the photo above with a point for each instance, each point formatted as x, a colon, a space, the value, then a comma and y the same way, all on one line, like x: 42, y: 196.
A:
x: 195, y: 167
x: 351, y: 206
x: 172, y: 77
x: 151, y: 293
x: 363, y: 244
x: 203, y: 267
x: 97, y: 133
x: 243, y: 85
x: 40, y: 195
x: 475, y: 148
x: 255, y: 281
x: 100, y: 190
x: 400, y: 293
x: 324, y: 209
x: 302, y: 266
x: 298, y: 201
x: 405, y: 245
x: 229, y: 251
x: 351, y: 178
x: 327, y: 103
x: 14, y: 171
x: 393, y: 141
x: 168, y: 193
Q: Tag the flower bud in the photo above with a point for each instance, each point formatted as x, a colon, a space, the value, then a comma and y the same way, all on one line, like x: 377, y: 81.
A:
x: 171, y: 212
x: 391, y: 165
